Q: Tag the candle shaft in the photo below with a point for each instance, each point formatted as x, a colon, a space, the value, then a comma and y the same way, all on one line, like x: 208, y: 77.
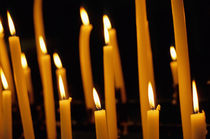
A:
x: 27, y: 72
x: 153, y: 124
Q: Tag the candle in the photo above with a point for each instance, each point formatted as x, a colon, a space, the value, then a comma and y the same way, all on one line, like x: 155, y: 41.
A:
x: 65, y: 112
x: 118, y: 73
x: 198, y: 120
x: 173, y: 65
x: 6, y: 108
x: 20, y: 82
x: 27, y: 73
x: 48, y: 91
x: 152, y: 116
x: 100, y: 118
x: 180, y: 34
x: 85, y: 59
x: 60, y: 71
x: 109, y: 86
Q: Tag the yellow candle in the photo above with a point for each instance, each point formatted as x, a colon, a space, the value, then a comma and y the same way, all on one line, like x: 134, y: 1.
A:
x: 85, y: 60
x: 109, y: 87
x: 48, y: 91
x: 183, y: 65
x: 100, y: 119
x: 173, y: 65
x: 60, y: 71
x: 20, y: 82
x: 152, y: 116
x: 65, y: 112
x: 118, y: 73
x: 198, y: 120
x: 27, y: 73
x: 7, y: 108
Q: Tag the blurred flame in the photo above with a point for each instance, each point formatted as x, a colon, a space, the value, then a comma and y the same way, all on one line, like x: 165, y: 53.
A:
x: 151, y: 95
x: 11, y: 24
x: 24, y: 61
x: 61, y: 87
x: 107, y: 22
x: 84, y: 16
x: 173, y: 53
x: 1, y: 27
x: 195, y: 97
x: 4, y: 80
x: 57, y: 60
x: 107, y: 26
x: 96, y: 99
x: 42, y: 45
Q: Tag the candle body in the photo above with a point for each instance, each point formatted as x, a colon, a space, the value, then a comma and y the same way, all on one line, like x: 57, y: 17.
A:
x: 153, y: 124
x: 21, y: 89
x: 101, y: 124
x: 27, y: 73
x: 185, y: 96
x: 173, y: 65
x: 118, y: 73
x: 110, y: 92
x: 62, y: 73
x: 85, y: 64
x: 48, y: 96
x: 1, y: 115
x: 65, y: 118
x: 7, y: 113
x: 198, y: 125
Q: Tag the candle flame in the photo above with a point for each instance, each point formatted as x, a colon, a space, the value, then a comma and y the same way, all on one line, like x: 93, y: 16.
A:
x: 151, y: 96
x: 11, y: 24
x: 195, y: 97
x: 24, y: 61
x: 42, y: 45
x: 84, y: 16
x: 173, y: 53
x: 57, y: 60
x: 107, y: 26
x: 107, y: 21
x: 96, y: 99
x: 1, y: 27
x: 4, y: 80
x: 61, y: 87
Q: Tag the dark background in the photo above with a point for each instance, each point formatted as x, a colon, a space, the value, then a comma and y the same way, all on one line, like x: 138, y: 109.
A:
x: 62, y: 24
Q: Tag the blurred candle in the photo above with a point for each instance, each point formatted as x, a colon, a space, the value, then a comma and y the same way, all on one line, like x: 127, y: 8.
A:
x: 173, y: 65
x: 48, y: 91
x: 65, y: 112
x: 100, y: 119
x: 85, y: 59
x: 20, y: 82
x: 27, y: 73
x: 109, y: 89
x: 152, y: 116
x: 198, y: 120
x: 60, y: 71
x: 118, y: 73
x: 6, y: 108
x: 185, y: 96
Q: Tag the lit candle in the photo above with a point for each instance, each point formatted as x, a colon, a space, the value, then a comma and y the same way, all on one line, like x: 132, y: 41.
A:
x: 6, y: 108
x: 27, y: 73
x: 118, y: 73
x: 60, y: 71
x: 85, y: 59
x: 65, y: 112
x: 100, y: 119
x: 20, y: 82
x: 185, y: 96
x: 173, y: 65
x: 198, y: 120
x: 152, y: 116
x: 48, y: 91
x: 109, y: 89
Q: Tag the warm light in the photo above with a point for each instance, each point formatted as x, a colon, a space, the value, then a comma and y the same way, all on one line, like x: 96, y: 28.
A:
x: 107, y: 22
x: 84, y: 16
x: 42, y: 45
x: 151, y: 96
x: 61, y: 87
x: 57, y: 60
x: 1, y: 27
x: 24, y: 61
x: 195, y: 97
x: 173, y: 53
x: 96, y: 99
x: 11, y: 24
x: 107, y: 26
x: 4, y: 80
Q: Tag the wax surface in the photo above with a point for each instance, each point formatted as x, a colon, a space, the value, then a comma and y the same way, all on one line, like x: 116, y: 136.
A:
x: 153, y: 124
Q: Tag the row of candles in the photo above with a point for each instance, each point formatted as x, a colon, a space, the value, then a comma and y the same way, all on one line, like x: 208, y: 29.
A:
x: 194, y: 125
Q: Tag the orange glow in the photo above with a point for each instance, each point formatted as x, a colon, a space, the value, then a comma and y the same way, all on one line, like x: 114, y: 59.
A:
x: 1, y: 27
x: 107, y: 22
x: 42, y: 45
x: 61, y: 87
x: 151, y: 96
x: 195, y: 97
x: 4, y: 80
x: 173, y: 53
x: 84, y: 16
x: 107, y: 26
x: 24, y: 61
x: 57, y: 60
x: 96, y: 99
x: 11, y: 24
